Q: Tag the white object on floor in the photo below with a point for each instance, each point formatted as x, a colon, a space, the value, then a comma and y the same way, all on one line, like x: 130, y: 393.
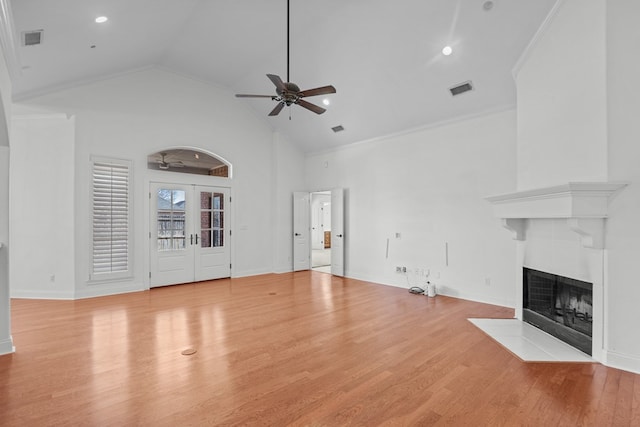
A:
x: 528, y: 342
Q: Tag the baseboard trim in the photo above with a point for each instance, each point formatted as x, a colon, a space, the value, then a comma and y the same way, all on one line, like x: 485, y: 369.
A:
x: 626, y: 362
x: 94, y: 291
x: 39, y: 294
x: 7, y: 347
x: 249, y: 273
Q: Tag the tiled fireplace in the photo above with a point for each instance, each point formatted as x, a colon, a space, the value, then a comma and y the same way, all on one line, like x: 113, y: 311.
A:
x: 561, y: 255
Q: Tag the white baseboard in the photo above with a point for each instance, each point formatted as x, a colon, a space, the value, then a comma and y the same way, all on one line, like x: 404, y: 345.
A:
x: 247, y: 273
x: 283, y: 269
x: 40, y: 294
x: 98, y: 290
x: 626, y: 362
x: 7, y: 347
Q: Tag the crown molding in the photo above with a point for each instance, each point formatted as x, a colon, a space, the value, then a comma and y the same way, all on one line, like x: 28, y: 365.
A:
x: 536, y: 38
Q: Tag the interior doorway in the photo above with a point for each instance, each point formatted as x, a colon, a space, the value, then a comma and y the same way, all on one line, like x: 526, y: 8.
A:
x: 321, y: 231
x: 318, y: 231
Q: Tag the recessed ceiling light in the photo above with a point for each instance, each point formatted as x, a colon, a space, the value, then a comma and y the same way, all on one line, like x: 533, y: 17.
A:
x: 326, y: 101
x: 101, y: 19
x: 446, y: 51
x: 488, y: 5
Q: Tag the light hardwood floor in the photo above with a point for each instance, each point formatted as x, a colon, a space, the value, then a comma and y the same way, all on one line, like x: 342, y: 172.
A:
x: 303, y: 348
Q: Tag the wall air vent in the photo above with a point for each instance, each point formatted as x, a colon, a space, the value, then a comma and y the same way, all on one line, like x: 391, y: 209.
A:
x: 32, y: 38
x: 461, y: 88
x: 337, y: 129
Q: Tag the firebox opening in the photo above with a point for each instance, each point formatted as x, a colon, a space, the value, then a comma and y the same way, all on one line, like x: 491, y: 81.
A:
x: 560, y: 306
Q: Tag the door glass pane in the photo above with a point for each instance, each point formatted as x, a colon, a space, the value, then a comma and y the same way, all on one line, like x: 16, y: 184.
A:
x: 211, y: 219
x: 205, y: 200
x: 206, y: 239
x: 205, y: 220
x: 218, y: 220
x: 218, y: 201
x: 218, y: 238
x: 171, y: 219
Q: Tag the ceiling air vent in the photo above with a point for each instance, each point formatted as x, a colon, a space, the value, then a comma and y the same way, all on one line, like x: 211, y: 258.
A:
x: 461, y: 88
x: 337, y: 129
x: 32, y: 38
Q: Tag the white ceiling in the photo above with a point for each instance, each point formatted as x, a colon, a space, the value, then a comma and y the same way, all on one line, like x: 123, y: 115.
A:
x: 383, y: 57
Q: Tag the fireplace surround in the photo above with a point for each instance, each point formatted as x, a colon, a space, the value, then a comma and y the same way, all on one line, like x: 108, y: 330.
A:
x: 580, y: 208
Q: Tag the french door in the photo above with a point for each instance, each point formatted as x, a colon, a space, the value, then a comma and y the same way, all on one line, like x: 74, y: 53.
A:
x: 189, y: 235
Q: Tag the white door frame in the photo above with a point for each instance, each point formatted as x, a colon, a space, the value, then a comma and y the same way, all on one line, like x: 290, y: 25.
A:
x: 300, y: 227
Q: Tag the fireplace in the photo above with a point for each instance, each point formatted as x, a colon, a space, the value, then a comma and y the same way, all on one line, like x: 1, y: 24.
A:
x: 560, y: 306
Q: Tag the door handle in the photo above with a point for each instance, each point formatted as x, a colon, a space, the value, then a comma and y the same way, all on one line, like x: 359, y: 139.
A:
x: 192, y: 239
x: 297, y: 234
x: 338, y: 235
x: 196, y: 238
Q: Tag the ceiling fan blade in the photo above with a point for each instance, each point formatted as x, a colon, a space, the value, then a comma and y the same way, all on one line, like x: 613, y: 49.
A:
x: 311, y: 107
x: 277, y: 110
x: 324, y: 90
x: 276, y: 80
x: 242, y: 95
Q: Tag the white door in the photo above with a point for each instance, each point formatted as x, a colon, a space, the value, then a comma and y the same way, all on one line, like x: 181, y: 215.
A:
x: 301, y: 231
x: 189, y: 235
x: 337, y: 232
x: 172, y: 254
x: 212, y: 234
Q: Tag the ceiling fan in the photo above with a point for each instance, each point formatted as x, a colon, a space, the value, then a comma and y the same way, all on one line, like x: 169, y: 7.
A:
x: 288, y: 93
x: 164, y: 165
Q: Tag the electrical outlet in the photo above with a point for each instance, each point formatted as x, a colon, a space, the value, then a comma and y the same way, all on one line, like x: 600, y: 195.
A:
x: 404, y: 269
x: 487, y: 281
x: 398, y: 269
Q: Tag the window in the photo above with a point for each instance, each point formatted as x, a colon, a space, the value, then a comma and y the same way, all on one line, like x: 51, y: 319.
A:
x: 111, y: 219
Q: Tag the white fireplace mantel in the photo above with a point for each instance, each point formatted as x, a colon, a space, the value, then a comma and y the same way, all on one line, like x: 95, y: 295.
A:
x: 583, y: 204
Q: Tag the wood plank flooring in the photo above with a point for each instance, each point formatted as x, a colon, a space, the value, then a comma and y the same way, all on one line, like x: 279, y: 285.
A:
x: 303, y: 349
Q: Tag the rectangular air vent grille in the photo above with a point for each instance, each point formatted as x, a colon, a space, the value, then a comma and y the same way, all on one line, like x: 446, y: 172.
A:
x: 32, y: 38
x: 337, y: 129
x: 461, y: 88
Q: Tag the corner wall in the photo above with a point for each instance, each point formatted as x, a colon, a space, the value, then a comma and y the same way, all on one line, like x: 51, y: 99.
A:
x: 623, y: 225
x: 428, y: 188
x: 6, y: 341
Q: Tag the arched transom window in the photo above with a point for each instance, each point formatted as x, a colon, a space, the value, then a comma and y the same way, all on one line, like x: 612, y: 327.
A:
x: 188, y: 160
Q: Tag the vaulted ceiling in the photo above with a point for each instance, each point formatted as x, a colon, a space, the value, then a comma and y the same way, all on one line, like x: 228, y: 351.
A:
x: 384, y: 57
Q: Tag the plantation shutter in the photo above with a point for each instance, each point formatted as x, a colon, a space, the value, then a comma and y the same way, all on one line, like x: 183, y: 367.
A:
x: 111, y: 218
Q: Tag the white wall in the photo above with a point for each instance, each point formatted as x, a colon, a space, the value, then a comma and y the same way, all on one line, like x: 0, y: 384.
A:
x: 288, y: 176
x: 42, y: 207
x: 133, y: 115
x: 428, y: 186
x: 623, y: 225
x: 562, y: 129
x: 6, y: 342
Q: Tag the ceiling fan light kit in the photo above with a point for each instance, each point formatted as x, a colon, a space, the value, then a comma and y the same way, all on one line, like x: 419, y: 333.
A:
x: 288, y: 93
